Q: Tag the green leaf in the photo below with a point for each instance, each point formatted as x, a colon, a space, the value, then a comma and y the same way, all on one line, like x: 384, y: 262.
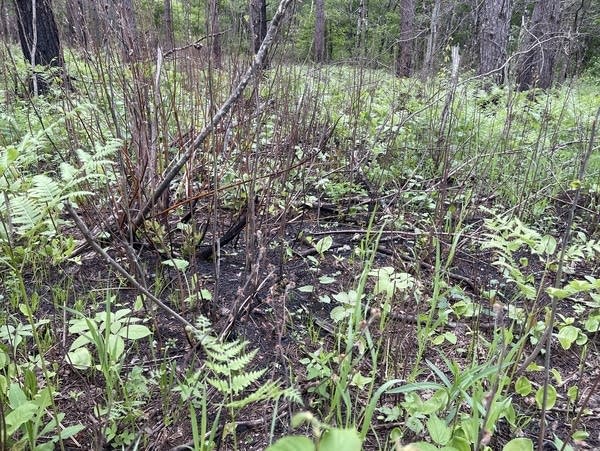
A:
x: 423, y: 446
x: 306, y: 289
x: 292, y: 443
x: 550, y: 399
x: 115, y: 347
x: 324, y: 244
x: 572, y: 393
x: 450, y: 337
x: 438, y: 430
x: 70, y: 431
x: 580, y: 435
x: 325, y: 280
x: 567, y: 336
x: 338, y: 439
x: 338, y: 313
x: 80, y: 358
x: 177, y: 263
x: 134, y: 332
x: 19, y: 416
x: 519, y: 444
x: 460, y: 443
x: 548, y: 245
x: 523, y: 386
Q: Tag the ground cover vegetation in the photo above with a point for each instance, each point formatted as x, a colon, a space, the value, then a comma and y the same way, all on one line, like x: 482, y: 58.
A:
x: 218, y: 234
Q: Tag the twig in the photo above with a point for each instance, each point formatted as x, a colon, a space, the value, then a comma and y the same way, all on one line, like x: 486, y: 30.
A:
x: 195, y: 44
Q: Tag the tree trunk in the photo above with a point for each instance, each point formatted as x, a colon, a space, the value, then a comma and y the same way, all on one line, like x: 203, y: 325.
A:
x: 78, y: 24
x: 361, y: 24
x: 493, y: 38
x: 7, y: 32
x: 319, y: 31
x: 432, y: 39
x: 540, y: 45
x: 213, y: 32
x: 407, y: 36
x: 39, y: 38
x: 258, y: 22
x: 168, y: 30
x: 129, y: 35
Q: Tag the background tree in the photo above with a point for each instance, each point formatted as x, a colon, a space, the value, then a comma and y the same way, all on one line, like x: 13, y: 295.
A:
x: 432, y: 38
x: 213, y: 32
x: 493, y: 37
x: 319, y: 31
x: 39, y: 39
x: 539, y: 45
x: 407, y: 37
x: 258, y: 22
x: 168, y: 24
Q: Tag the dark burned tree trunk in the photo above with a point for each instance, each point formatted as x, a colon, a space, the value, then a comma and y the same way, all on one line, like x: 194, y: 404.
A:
x: 493, y: 38
x: 258, y: 22
x: 168, y: 25
x: 129, y: 34
x: 39, y: 38
x: 407, y: 36
x: 214, y: 32
x: 319, y: 31
x: 540, y: 45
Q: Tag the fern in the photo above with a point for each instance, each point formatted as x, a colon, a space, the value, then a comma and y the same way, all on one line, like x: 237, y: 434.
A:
x: 228, y: 372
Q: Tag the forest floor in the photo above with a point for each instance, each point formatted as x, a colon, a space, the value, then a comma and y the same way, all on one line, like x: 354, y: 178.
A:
x: 288, y: 323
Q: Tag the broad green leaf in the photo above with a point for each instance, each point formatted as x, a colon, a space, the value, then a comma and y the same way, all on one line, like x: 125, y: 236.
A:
x: 80, y: 358
x: 22, y: 414
x: 421, y: 446
x: 523, y: 386
x: 438, y: 430
x: 338, y: 439
x: 548, y: 245
x: 550, y: 399
x: 324, y: 244
x: 580, y: 435
x: 292, y: 443
x: 572, y: 393
x: 338, y: 313
x: 177, y: 263
x: 306, y: 289
x: 326, y: 280
x: 115, y: 347
x: 460, y: 444
x: 450, y: 337
x: 16, y: 396
x: 4, y: 359
x: 519, y: 444
x: 70, y: 431
x: 567, y: 336
x: 134, y: 332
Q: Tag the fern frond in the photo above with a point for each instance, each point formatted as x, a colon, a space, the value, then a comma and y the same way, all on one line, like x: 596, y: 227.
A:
x: 221, y: 385
x: 232, y: 364
x: 269, y: 390
x: 25, y: 212
x: 242, y: 381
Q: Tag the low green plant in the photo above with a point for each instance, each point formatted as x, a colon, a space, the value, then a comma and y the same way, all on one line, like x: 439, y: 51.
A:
x: 324, y: 437
x: 226, y: 369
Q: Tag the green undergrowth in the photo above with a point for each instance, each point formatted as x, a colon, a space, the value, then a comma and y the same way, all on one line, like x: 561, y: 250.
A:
x: 457, y: 170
